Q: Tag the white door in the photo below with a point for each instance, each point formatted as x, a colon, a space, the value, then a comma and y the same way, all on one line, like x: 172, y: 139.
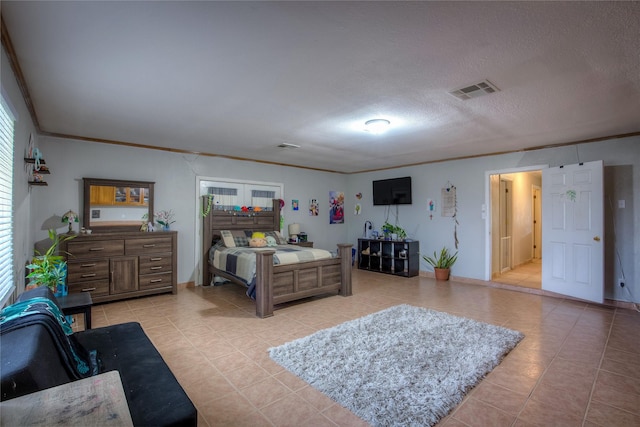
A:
x: 572, y: 231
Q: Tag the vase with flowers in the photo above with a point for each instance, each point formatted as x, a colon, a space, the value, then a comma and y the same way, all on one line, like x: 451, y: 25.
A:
x: 165, y: 219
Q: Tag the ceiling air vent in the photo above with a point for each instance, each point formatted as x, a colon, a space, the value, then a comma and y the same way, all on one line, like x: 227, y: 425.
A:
x: 287, y: 145
x: 485, y: 87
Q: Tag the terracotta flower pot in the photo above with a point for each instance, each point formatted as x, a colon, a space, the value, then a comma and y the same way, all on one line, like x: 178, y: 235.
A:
x: 442, y: 273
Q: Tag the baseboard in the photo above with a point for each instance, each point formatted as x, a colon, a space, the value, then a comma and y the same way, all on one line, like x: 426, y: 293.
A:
x: 466, y: 280
x: 186, y: 285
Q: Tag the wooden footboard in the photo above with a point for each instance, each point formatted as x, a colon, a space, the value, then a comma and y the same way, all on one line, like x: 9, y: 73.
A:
x: 276, y: 284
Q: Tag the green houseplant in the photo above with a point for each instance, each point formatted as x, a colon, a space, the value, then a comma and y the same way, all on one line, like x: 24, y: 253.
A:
x: 49, y: 268
x: 441, y: 263
x: 388, y: 229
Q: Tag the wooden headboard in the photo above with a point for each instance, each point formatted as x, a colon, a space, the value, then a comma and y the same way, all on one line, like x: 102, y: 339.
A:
x: 234, y: 220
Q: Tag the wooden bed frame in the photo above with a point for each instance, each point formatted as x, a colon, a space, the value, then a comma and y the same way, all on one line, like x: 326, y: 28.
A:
x: 276, y: 284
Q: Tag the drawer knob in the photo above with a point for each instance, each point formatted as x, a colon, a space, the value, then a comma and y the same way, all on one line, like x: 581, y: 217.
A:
x: 88, y: 289
x: 156, y: 268
x: 96, y: 249
x: 149, y: 245
x: 155, y: 259
x: 155, y: 281
x: 88, y: 265
x: 88, y: 275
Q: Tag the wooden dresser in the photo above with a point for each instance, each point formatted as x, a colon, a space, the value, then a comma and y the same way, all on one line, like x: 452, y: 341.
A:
x: 115, y: 266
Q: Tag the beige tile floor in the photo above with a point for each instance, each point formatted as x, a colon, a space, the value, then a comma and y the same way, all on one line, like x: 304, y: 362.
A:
x: 528, y: 275
x: 579, y: 364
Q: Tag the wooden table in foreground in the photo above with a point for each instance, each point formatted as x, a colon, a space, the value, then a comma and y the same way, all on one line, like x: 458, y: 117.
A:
x: 93, y: 401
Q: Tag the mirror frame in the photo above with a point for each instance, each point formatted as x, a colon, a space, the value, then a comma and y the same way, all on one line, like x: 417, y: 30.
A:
x: 86, y: 211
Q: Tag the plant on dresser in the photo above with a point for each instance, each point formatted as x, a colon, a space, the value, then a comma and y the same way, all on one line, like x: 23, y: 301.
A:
x: 115, y: 266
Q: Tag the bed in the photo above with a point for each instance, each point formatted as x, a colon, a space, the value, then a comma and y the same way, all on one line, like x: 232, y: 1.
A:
x: 279, y: 283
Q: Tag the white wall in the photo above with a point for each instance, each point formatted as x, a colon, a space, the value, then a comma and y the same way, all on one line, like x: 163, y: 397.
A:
x: 175, y: 188
x: 174, y: 174
x: 622, y: 175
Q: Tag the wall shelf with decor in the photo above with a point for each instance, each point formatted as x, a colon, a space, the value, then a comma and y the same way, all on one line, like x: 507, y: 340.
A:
x: 396, y: 257
x: 44, y: 170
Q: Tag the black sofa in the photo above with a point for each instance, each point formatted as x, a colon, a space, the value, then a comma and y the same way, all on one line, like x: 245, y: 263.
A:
x: 30, y: 361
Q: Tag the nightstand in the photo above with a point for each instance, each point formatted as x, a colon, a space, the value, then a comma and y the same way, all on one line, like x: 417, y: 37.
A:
x: 303, y: 244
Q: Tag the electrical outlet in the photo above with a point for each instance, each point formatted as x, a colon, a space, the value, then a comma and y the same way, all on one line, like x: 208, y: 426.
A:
x: 621, y: 282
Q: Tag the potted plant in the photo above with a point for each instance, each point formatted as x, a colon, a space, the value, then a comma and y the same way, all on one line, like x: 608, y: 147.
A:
x: 441, y: 263
x: 388, y: 229
x: 49, y: 269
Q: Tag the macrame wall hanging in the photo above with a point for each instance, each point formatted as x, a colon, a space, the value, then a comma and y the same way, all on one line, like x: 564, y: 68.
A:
x: 449, y: 207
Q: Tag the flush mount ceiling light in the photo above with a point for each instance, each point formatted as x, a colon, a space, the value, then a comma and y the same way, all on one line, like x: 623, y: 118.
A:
x: 376, y: 126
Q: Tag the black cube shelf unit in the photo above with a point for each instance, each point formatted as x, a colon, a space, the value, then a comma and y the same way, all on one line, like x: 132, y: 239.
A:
x: 395, y: 257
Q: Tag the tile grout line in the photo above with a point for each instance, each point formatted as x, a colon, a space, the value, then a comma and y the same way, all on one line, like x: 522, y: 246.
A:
x: 599, y: 368
x: 555, y: 357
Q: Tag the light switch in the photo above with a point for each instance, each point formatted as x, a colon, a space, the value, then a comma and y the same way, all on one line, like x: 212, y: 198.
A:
x: 621, y: 204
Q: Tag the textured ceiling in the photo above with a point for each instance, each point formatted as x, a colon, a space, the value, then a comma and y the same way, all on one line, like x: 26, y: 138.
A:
x: 239, y: 78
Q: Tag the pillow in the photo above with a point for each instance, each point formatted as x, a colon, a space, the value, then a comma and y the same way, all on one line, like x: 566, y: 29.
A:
x: 280, y: 239
x: 227, y: 238
x: 257, y: 242
x: 241, y: 238
x: 236, y: 238
x: 271, y: 241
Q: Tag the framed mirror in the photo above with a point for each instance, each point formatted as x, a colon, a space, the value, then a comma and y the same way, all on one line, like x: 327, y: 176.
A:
x: 116, y: 205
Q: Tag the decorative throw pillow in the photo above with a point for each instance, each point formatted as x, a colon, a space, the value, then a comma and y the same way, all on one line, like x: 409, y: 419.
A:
x: 271, y: 241
x: 227, y: 238
x: 257, y: 242
x: 280, y: 239
x: 241, y: 237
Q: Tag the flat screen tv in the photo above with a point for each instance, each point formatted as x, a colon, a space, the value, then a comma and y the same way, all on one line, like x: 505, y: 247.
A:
x: 395, y: 191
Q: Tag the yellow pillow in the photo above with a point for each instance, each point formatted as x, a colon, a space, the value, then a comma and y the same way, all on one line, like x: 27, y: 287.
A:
x: 257, y: 235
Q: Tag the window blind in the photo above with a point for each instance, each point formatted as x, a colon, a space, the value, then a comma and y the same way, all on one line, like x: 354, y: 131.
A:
x: 6, y: 203
x: 262, y: 198
x: 226, y: 198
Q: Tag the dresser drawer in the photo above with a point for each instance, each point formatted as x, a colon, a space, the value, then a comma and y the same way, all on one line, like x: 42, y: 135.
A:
x: 87, y: 270
x: 148, y: 246
x: 96, y: 287
x: 95, y: 249
x: 156, y: 263
x: 152, y: 281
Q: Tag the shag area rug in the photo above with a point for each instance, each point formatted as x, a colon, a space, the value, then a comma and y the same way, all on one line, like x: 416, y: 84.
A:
x: 403, y: 366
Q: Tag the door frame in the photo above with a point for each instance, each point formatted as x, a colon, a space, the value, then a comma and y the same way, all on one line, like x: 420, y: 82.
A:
x: 486, y: 209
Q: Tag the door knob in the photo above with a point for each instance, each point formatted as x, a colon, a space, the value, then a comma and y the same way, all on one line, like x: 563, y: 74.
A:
x: 596, y: 238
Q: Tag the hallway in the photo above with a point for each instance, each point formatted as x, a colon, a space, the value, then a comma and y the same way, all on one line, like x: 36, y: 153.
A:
x: 528, y: 275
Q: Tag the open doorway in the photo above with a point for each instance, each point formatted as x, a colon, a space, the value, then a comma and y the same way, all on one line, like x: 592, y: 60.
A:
x: 515, y: 229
